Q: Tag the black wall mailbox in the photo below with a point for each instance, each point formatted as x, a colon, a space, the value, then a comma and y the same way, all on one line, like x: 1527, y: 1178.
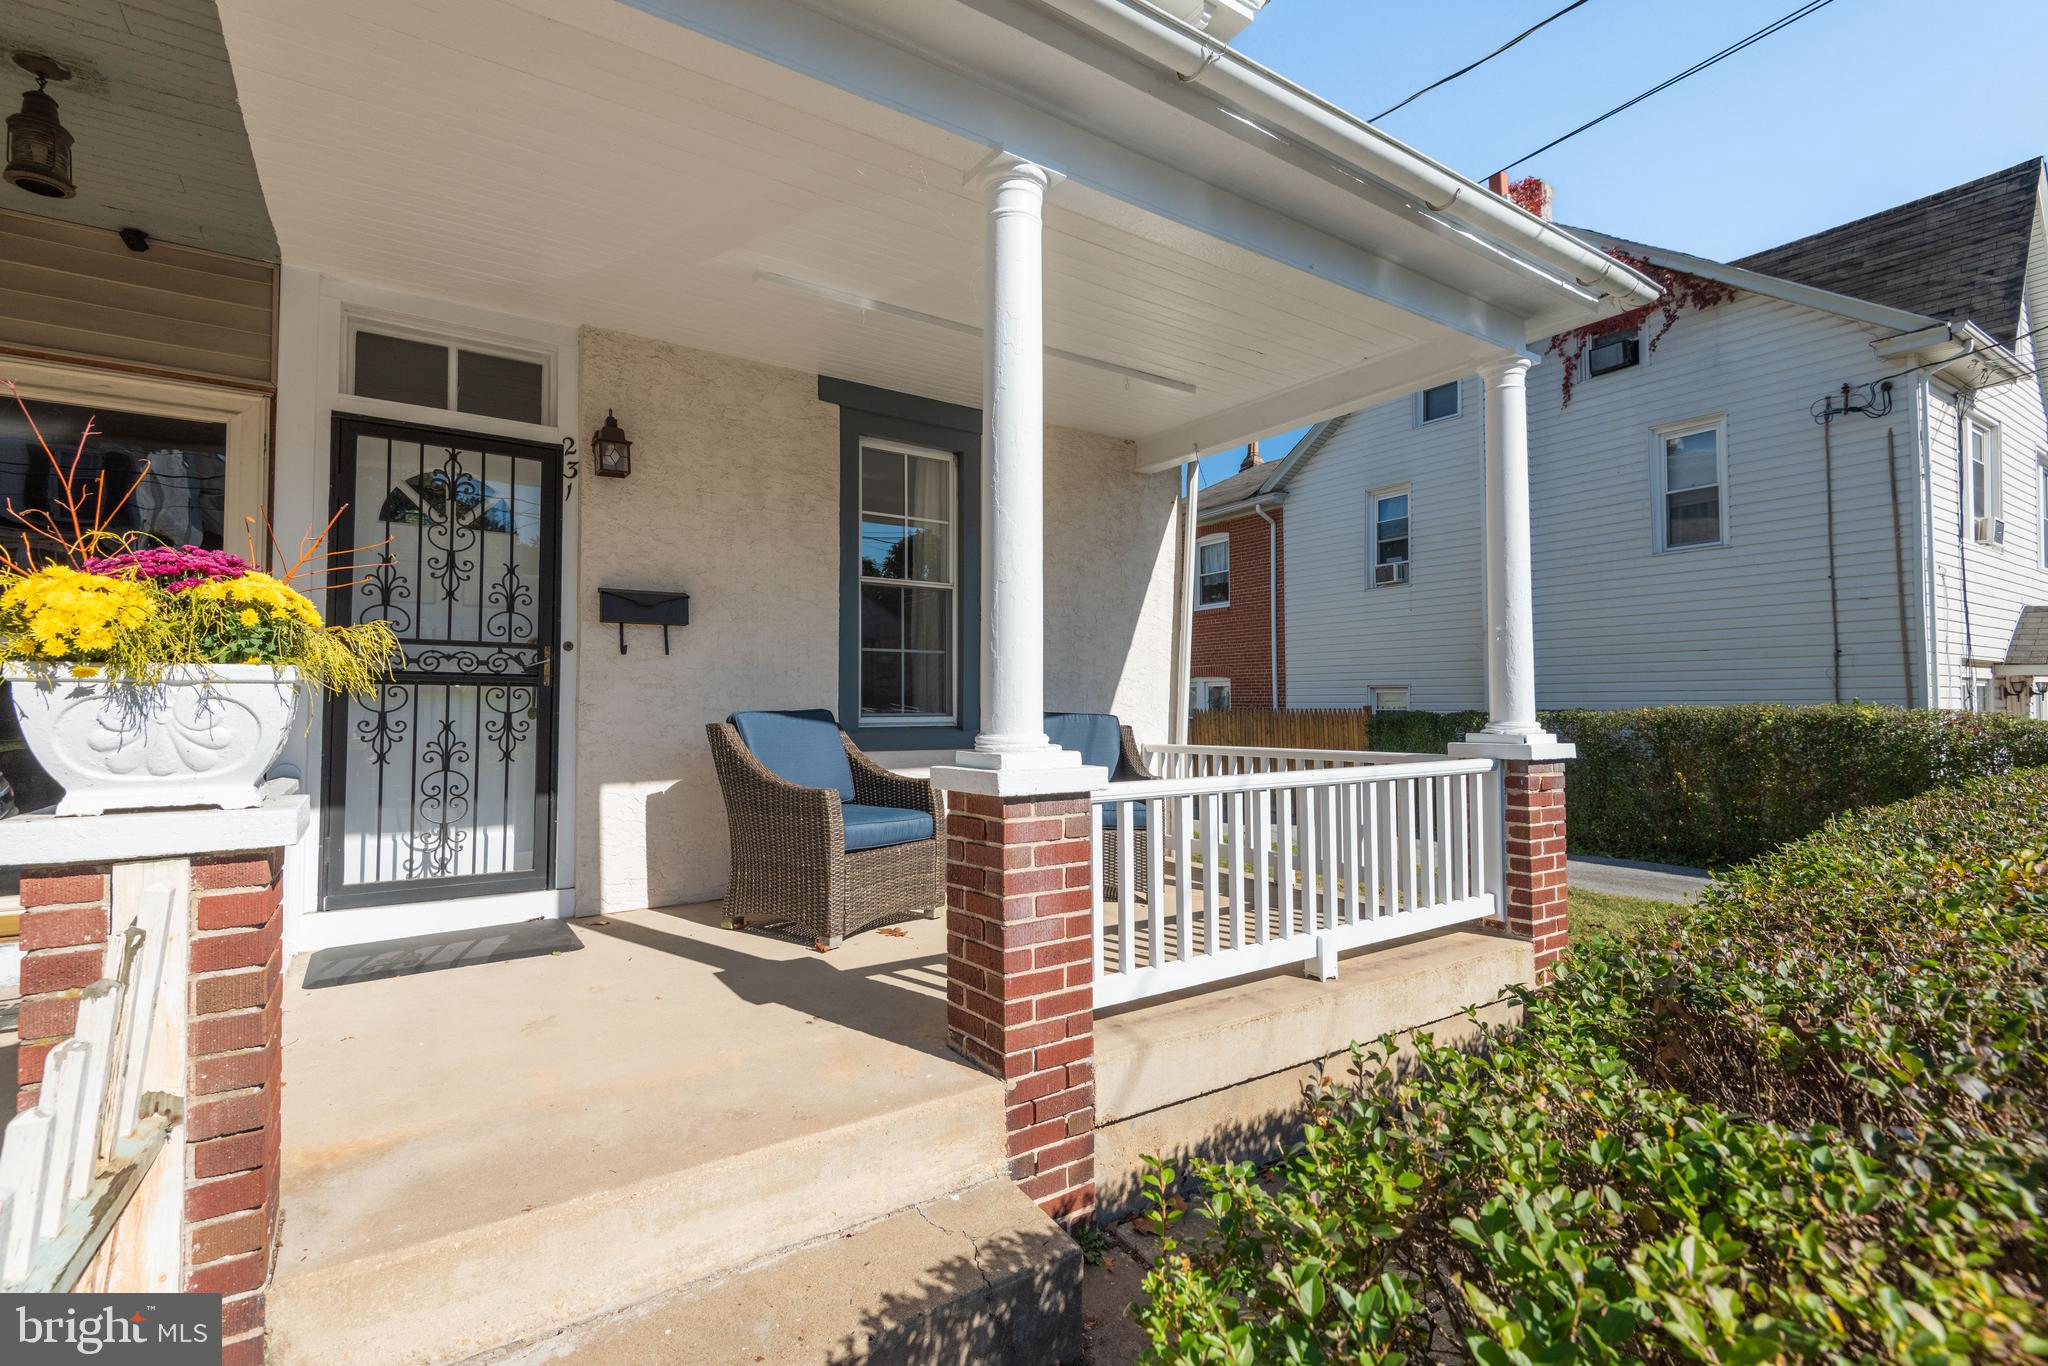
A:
x: 643, y: 607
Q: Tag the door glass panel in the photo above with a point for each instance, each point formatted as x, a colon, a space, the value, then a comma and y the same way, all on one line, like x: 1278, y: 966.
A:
x: 443, y: 770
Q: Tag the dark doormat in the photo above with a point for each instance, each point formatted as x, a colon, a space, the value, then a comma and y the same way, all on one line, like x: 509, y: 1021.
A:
x: 436, y: 952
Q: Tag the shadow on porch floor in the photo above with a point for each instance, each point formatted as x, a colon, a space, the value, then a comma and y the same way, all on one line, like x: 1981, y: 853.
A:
x: 476, y: 1155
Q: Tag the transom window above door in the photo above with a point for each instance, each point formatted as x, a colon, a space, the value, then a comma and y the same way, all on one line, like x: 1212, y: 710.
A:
x: 425, y: 371
x: 909, y: 515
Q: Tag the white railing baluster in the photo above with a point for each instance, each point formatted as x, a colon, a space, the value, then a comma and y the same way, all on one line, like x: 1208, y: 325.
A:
x: 1183, y: 883
x: 1240, y: 844
x: 1333, y: 831
x: 1425, y: 799
x: 1155, y: 882
x: 1461, y: 830
x: 1307, y: 855
x: 1354, y: 794
x: 1262, y: 861
x: 1283, y: 846
x: 1127, y: 838
x: 1406, y: 841
x: 1212, y: 882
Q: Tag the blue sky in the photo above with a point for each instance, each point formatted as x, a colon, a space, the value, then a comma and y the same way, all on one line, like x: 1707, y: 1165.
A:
x: 1859, y: 106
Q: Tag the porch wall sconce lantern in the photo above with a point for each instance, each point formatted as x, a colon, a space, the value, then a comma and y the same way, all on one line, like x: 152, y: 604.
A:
x: 608, y: 444
x: 38, y: 146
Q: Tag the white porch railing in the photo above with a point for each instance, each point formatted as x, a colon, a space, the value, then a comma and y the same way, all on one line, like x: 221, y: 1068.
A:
x: 1238, y: 868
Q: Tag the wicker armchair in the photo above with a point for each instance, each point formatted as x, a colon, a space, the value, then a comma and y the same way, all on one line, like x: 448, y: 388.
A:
x: 791, y: 864
x: 1104, y: 741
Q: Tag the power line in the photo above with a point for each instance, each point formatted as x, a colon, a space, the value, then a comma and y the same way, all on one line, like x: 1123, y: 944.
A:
x: 1481, y: 62
x: 1695, y: 69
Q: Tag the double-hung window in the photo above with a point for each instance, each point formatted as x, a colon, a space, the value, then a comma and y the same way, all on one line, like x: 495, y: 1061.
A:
x: 1212, y: 571
x: 909, y: 608
x: 1690, y: 472
x: 1389, y: 550
x: 1987, y: 524
x: 2041, y: 507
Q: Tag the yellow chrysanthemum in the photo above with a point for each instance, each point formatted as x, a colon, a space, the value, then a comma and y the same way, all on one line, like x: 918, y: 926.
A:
x: 248, y: 616
x: 63, y: 611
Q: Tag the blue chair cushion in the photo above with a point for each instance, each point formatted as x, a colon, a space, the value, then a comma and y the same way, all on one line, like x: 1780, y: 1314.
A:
x: 1096, y: 735
x: 878, y: 827
x: 801, y: 747
x: 1109, y: 821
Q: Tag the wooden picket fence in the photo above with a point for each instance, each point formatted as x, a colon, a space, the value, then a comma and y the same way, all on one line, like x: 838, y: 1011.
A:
x: 1346, y: 728
x: 71, y: 1167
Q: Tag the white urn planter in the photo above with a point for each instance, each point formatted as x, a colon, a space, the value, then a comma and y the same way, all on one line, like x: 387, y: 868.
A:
x: 202, y: 736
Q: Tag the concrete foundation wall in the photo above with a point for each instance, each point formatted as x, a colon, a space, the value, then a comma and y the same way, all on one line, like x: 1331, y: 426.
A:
x: 734, y: 498
x: 1219, y: 1075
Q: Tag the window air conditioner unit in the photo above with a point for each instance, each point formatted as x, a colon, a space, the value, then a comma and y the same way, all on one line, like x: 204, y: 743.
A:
x: 1991, y: 530
x: 1394, y: 571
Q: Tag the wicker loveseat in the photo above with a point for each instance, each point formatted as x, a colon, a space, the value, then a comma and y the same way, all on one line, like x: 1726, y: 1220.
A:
x: 1103, y: 741
x: 824, y: 839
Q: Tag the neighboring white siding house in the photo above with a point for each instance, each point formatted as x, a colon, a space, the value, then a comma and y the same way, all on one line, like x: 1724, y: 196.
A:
x: 1627, y: 612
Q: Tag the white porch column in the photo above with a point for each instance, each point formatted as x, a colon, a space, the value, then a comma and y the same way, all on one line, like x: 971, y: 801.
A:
x: 1511, y: 722
x: 1013, y: 455
x: 1011, y: 755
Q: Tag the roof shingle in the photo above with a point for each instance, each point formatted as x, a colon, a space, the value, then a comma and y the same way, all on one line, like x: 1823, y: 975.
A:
x: 1958, y: 254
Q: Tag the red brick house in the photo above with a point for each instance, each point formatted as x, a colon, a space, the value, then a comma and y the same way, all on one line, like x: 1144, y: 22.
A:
x: 1239, y: 649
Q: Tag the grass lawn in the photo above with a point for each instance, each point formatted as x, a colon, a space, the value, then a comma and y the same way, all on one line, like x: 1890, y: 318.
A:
x: 1608, y: 913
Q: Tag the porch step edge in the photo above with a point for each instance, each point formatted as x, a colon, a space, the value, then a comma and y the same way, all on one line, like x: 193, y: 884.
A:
x: 450, y: 1298
x: 979, y: 1276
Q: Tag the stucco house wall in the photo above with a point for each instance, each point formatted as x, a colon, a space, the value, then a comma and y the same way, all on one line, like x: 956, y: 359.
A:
x: 734, y: 498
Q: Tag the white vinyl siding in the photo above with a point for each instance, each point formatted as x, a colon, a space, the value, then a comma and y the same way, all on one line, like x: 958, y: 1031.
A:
x: 1341, y: 633
x: 78, y: 291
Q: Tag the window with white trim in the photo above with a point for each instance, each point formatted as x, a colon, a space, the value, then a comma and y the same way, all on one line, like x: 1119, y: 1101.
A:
x: 1436, y: 405
x: 1982, y: 494
x: 1390, y: 698
x: 1387, y: 551
x: 400, y: 365
x: 1208, y: 694
x: 2041, y: 507
x: 1212, y: 571
x: 1690, y: 473
x: 908, y: 587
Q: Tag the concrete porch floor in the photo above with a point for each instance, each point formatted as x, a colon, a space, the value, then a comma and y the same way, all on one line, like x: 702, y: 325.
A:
x: 475, y: 1156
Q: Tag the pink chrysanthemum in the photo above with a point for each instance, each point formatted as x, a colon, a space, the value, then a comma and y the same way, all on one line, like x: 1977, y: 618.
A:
x: 172, y: 568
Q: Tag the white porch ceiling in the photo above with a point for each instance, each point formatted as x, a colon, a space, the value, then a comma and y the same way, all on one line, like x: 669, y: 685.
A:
x: 587, y: 162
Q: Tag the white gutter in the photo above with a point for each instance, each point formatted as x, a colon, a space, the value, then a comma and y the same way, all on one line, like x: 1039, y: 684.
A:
x: 1273, y: 102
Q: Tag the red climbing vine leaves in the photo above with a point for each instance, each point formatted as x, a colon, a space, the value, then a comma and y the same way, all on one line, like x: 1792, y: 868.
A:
x: 1680, y: 292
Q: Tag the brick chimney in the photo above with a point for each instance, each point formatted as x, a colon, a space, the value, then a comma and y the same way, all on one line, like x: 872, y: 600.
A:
x: 1251, y: 457
x: 1530, y: 193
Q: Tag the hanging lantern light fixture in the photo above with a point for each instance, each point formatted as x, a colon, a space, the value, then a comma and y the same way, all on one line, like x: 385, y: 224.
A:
x: 38, y: 146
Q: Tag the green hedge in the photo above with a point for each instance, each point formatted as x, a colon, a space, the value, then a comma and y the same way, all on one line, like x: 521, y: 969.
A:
x: 1717, y: 785
x: 1807, y: 1121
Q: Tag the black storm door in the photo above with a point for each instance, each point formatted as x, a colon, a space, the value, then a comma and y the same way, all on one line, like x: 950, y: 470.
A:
x: 443, y: 784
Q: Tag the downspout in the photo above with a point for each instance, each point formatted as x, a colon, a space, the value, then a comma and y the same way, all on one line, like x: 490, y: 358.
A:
x: 1924, y: 498
x: 1827, y: 464
x: 1962, y: 549
x: 1275, y: 103
x: 1891, y: 470
x: 1272, y: 604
